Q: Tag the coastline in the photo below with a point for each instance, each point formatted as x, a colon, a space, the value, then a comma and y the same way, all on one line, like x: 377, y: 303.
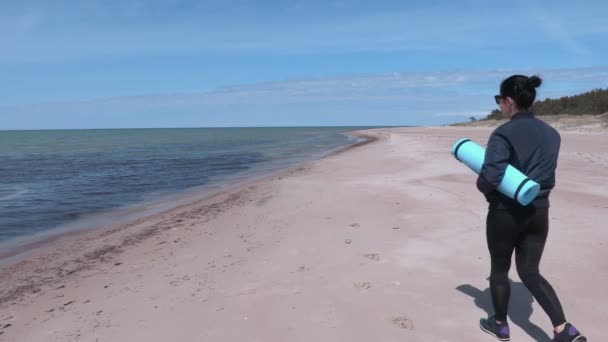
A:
x: 376, y: 241
x: 14, y: 251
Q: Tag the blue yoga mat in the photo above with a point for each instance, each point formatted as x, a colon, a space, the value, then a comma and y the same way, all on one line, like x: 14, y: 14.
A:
x: 514, y: 184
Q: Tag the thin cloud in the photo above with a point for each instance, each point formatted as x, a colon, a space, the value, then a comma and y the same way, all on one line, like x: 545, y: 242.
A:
x: 392, y: 85
x: 395, y: 99
x: 552, y: 25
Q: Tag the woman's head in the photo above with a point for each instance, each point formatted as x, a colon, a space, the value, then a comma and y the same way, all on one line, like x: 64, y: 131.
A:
x: 517, y: 93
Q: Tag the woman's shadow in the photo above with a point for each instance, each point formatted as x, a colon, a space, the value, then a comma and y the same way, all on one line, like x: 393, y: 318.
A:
x: 520, y: 307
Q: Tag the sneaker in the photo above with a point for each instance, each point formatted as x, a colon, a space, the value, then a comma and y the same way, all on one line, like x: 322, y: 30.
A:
x: 569, y: 334
x: 500, y: 331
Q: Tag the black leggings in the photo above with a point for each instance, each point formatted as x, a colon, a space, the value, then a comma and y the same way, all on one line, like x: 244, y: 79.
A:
x: 525, y: 231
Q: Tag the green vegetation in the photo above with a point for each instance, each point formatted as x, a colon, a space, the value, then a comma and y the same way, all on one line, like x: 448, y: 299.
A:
x: 591, y: 103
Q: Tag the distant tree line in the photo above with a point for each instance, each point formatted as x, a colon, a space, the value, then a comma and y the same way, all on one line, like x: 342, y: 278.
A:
x: 593, y: 102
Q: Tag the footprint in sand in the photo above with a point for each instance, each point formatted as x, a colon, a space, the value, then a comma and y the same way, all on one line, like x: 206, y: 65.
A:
x: 403, y: 322
x: 373, y: 256
x: 363, y: 285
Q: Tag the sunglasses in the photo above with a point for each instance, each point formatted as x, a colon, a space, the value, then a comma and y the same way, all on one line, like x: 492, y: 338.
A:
x: 497, y: 98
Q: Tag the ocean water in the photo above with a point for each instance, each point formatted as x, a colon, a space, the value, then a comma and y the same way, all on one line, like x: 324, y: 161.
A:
x: 50, y: 179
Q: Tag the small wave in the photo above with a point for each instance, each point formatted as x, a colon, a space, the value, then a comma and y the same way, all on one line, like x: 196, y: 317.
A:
x: 12, y: 193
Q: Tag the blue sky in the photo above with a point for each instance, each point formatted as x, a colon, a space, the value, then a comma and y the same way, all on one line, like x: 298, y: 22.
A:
x: 107, y: 64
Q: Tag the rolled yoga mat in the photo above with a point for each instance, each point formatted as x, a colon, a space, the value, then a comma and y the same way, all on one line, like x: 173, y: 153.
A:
x: 514, y: 184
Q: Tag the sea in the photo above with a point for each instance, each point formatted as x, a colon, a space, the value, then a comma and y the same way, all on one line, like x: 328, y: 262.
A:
x: 53, y: 181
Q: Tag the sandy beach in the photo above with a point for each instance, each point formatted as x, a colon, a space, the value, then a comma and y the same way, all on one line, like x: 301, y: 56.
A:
x: 381, y: 242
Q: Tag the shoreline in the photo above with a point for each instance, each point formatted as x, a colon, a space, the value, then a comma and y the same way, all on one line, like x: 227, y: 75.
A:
x: 116, y: 219
x: 369, y: 242
x: 12, y: 252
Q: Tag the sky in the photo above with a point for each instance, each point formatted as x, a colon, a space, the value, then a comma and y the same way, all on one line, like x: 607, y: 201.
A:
x: 136, y: 63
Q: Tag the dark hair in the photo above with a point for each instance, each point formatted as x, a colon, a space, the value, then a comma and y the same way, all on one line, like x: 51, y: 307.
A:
x: 522, y: 89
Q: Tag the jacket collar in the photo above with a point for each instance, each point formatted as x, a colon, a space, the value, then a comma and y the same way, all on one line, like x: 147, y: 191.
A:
x: 521, y: 115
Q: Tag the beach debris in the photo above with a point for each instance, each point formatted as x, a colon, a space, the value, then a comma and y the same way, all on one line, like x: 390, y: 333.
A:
x: 354, y: 225
x: 302, y: 268
x: 372, y: 256
x: 68, y: 303
x: 117, y: 263
x: 396, y: 227
x: 403, y: 323
x: 348, y: 241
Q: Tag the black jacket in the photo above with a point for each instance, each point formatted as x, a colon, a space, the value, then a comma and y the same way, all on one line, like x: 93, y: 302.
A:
x: 528, y: 144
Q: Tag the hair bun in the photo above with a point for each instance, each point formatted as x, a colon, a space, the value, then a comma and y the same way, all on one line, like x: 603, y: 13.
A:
x: 534, y: 81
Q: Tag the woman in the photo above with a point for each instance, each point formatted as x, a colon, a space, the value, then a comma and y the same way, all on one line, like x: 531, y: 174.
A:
x: 531, y: 146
